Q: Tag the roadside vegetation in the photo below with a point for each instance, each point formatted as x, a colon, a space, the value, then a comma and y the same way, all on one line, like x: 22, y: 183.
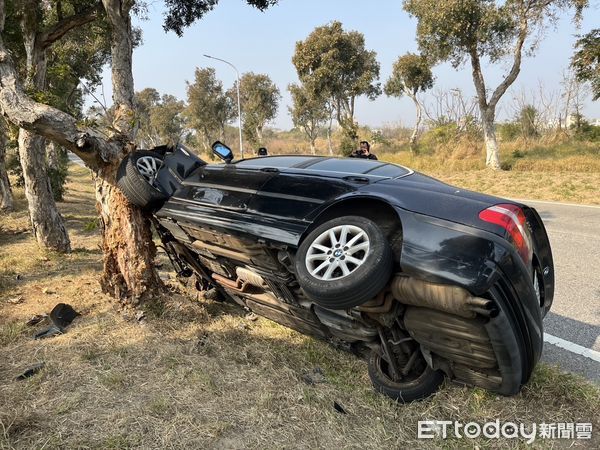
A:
x: 199, y: 374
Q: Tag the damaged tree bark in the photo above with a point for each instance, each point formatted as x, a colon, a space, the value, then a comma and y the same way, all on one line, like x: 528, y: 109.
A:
x: 129, y: 252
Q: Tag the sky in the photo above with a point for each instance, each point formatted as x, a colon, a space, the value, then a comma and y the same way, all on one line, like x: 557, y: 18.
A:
x: 264, y: 42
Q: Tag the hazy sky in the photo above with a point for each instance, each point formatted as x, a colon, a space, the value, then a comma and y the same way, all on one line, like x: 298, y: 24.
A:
x: 264, y: 43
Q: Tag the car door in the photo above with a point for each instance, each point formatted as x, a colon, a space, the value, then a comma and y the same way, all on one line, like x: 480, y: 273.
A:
x: 294, y: 195
x: 224, y: 186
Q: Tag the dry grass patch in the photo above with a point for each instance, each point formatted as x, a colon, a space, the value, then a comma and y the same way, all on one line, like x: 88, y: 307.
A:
x: 196, y: 374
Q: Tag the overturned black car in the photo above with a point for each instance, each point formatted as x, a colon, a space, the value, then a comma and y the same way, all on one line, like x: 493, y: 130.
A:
x: 420, y: 278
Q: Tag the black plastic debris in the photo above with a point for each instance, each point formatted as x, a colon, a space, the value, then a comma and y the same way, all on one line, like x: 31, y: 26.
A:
x: 50, y: 332
x: 339, y: 408
x: 61, y: 316
x: 30, y: 372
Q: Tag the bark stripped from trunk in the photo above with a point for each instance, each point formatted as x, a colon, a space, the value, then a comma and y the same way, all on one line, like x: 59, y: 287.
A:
x: 47, y: 224
x: 6, y: 198
x: 129, y: 251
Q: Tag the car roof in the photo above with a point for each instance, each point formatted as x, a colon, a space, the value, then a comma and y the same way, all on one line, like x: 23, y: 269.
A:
x: 326, y: 164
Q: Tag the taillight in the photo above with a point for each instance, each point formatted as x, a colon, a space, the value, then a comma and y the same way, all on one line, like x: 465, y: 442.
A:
x: 512, y: 219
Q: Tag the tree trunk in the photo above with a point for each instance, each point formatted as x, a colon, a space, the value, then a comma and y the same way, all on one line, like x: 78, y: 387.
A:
x: 415, y: 133
x: 6, y: 198
x: 129, y: 250
x: 313, y: 148
x: 52, y: 155
x: 492, y: 155
x: 47, y: 224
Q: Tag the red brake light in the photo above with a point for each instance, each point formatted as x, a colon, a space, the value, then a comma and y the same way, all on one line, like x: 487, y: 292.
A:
x: 512, y: 219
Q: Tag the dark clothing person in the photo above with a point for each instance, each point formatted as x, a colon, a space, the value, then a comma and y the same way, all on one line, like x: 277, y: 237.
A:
x: 363, y: 152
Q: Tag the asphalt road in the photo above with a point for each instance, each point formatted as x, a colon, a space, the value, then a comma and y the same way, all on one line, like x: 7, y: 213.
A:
x: 573, y: 324
x: 574, y: 233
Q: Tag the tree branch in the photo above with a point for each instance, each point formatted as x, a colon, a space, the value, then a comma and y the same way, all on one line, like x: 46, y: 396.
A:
x: 478, y: 80
x: 47, y: 38
x: 516, y: 67
x: 49, y: 122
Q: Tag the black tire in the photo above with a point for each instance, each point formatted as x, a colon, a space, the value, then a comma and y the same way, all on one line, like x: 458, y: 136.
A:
x: 363, y: 283
x: 133, y: 184
x: 414, y: 388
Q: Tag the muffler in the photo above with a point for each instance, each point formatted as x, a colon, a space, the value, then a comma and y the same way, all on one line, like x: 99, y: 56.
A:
x: 451, y: 299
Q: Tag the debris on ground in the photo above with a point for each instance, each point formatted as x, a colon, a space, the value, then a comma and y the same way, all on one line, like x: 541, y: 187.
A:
x: 339, y: 408
x: 30, y: 372
x: 253, y: 317
x: 61, y: 316
x: 48, y: 291
x: 50, y: 332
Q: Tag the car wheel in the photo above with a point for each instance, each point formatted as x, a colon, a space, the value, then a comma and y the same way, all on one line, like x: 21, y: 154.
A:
x: 344, y: 262
x: 136, y: 178
x: 419, y: 383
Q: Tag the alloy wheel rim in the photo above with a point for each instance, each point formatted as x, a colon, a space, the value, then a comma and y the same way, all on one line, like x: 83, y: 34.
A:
x: 148, y: 167
x: 337, y: 252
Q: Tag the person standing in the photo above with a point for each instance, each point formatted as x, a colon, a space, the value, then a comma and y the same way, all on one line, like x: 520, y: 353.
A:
x: 363, y: 152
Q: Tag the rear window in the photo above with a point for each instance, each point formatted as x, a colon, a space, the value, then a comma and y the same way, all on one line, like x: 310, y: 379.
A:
x: 346, y: 165
x: 390, y: 170
x: 276, y: 161
x: 361, y: 166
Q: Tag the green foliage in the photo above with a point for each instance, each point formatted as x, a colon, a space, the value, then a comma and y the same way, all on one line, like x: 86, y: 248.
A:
x: 309, y: 110
x: 528, y: 117
x: 159, y: 118
x: 209, y: 108
x: 583, y: 130
x: 508, y: 131
x: 335, y: 64
x: 259, y: 98
x: 586, y: 60
x: 181, y: 14
x: 410, y: 74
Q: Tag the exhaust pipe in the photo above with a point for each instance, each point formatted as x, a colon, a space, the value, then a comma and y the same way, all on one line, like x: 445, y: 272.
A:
x: 451, y: 299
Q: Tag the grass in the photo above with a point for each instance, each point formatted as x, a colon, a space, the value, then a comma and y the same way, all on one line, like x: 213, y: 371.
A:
x: 202, y: 375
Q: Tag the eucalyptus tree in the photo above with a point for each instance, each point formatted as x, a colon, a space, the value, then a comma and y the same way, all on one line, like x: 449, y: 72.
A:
x: 259, y: 98
x: 129, y: 252
x: 309, y: 112
x: 586, y: 60
x: 481, y: 31
x: 411, y: 74
x: 336, y: 64
x: 208, y: 109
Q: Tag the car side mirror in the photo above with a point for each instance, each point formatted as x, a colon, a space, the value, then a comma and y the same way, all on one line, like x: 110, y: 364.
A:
x: 222, y: 151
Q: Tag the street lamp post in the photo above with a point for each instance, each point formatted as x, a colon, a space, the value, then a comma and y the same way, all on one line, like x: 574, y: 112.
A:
x: 238, y: 99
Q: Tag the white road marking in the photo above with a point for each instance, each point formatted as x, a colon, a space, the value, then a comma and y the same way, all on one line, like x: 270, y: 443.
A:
x: 572, y: 347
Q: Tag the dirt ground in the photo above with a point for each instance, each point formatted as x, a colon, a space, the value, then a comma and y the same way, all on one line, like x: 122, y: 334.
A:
x: 196, y: 374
